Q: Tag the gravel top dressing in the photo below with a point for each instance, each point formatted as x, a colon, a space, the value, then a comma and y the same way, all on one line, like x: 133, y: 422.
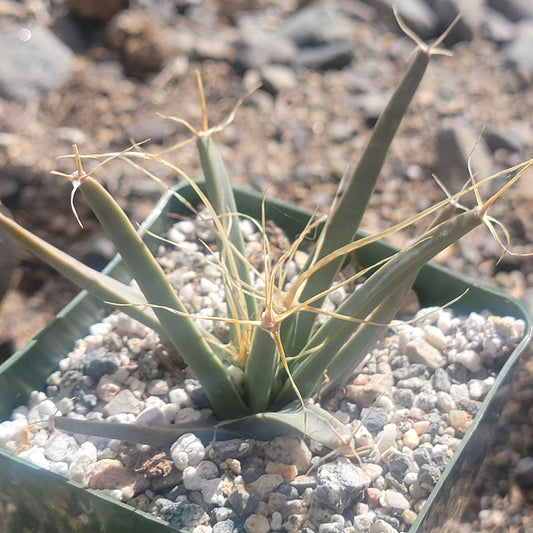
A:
x: 407, y: 410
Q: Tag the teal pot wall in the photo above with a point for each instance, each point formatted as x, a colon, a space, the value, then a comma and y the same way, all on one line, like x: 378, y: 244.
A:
x: 32, y: 499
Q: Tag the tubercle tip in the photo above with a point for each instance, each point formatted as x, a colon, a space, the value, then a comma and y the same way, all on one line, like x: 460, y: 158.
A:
x: 523, y: 168
x: 433, y: 48
x: 77, y: 177
x: 79, y: 174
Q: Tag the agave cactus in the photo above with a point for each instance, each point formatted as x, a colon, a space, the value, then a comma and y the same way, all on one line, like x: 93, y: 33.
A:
x: 283, y: 353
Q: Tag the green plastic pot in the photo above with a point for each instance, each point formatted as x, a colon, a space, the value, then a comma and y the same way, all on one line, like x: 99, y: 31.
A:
x: 33, y: 499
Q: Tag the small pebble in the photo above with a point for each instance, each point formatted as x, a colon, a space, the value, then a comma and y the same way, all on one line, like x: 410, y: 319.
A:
x: 61, y: 447
x: 123, y: 402
x: 478, y: 389
x: 469, y: 359
x: 36, y: 456
x: 460, y: 420
x: 435, y: 337
x: 100, y: 361
x: 410, y: 478
x: 81, y: 465
x: 373, y: 471
x: 441, y: 380
x: 287, y: 472
x: 380, y: 526
x: 157, y: 387
x: 363, y: 437
x: 213, y: 491
x: 399, y: 463
x: 331, y: 527
x: 290, y: 450
x: 187, y: 450
x: 106, y: 390
x: 42, y: 411
x: 192, y: 480
x: 387, y: 438
x: 374, y: 418
x: 426, y: 400
x: 445, y: 402
x: 428, y: 475
x: 363, y: 521
x: 188, y: 414
x: 372, y: 497
x: 409, y: 517
x: 151, y: 416
x: 179, y: 397
x: 265, y: 484
x: 393, y: 499
x: 276, y: 521
x: 421, y: 426
x: 364, y: 394
x: 256, y: 524
x: 420, y: 351
x: 459, y: 392
x: 509, y: 328
x: 9, y: 428
x: 410, y: 438
x: 111, y: 474
x: 101, y: 328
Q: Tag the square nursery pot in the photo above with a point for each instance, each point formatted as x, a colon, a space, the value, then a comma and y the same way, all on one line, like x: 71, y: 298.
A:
x: 33, y: 499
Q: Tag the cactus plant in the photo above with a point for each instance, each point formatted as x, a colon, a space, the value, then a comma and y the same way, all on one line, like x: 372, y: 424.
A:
x: 283, y: 353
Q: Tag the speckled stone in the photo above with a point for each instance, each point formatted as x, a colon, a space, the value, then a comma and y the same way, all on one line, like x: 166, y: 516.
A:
x: 264, y: 485
x: 394, y: 499
x: 460, y: 420
x: 290, y: 450
x: 380, y: 526
x: 287, y: 472
x: 420, y: 351
x: 188, y: 450
x: 99, y: 362
x: 233, y: 449
x: 242, y: 502
x: 339, y: 483
x: 403, y: 397
x: 123, y: 402
x: 428, y: 475
x: 410, y: 438
x: 365, y: 393
x: 181, y: 513
x: 256, y: 523
x: 441, y: 380
x: 111, y: 474
x: 399, y: 464
x: 375, y: 418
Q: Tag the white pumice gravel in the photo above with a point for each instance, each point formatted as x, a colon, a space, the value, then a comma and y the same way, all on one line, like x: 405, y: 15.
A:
x: 410, y: 425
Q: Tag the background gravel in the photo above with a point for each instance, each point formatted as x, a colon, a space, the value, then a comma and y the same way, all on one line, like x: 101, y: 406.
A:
x: 97, y: 73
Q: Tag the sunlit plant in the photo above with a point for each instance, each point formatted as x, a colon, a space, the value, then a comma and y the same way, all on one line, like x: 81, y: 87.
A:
x: 286, y: 356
